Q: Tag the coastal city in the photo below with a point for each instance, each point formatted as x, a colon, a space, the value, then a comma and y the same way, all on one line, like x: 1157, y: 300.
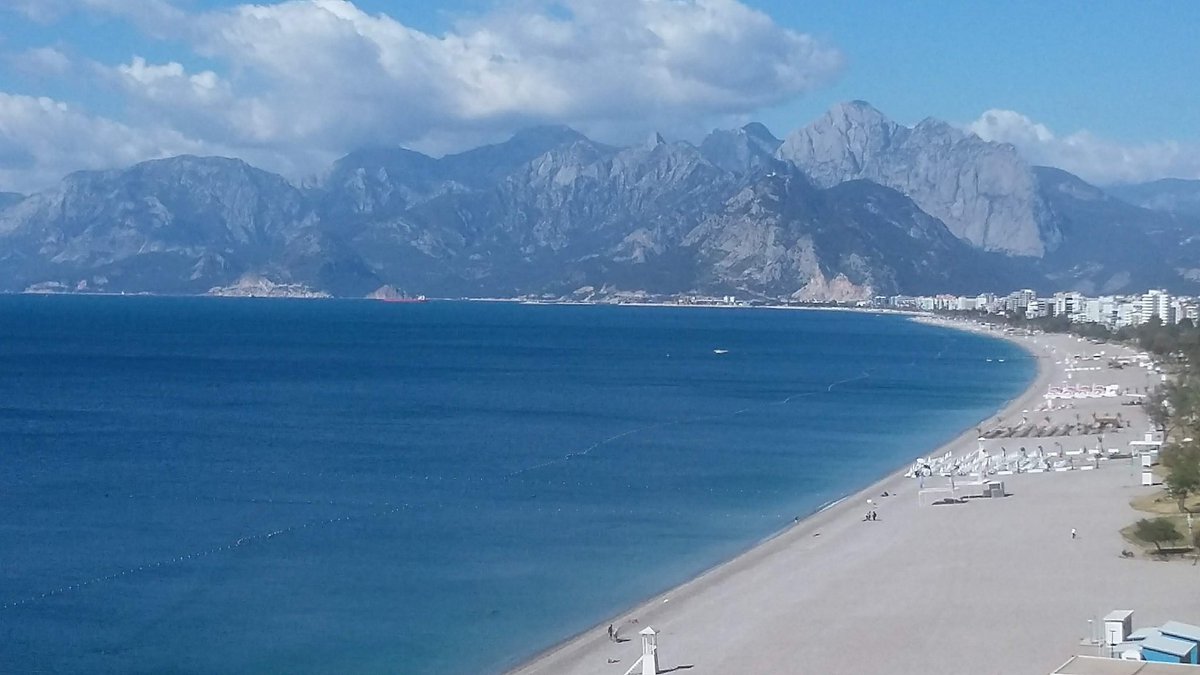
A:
x: 1113, y: 311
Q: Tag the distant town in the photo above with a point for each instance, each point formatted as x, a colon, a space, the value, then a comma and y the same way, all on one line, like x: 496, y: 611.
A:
x: 1112, y: 311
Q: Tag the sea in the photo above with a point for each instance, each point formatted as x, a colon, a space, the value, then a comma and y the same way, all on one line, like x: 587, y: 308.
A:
x: 229, y: 485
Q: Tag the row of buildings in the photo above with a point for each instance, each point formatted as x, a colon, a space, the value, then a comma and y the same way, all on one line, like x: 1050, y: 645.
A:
x: 1114, y: 311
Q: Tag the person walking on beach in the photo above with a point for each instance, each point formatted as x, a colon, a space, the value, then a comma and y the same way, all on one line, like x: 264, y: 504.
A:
x: 611, y: 635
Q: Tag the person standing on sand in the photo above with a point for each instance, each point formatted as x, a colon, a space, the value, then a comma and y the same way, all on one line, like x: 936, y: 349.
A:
x: 610, y: 633
x: 1072, y: 533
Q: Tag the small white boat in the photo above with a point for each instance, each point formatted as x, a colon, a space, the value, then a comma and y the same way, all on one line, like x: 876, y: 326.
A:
x: 720, y: 351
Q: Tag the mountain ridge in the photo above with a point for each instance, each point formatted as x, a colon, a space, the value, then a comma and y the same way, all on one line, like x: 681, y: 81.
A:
x: 848, y: 206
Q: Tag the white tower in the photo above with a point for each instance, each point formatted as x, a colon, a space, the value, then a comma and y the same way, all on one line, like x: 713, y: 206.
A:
x: 649, y: 651
x: 649, y: 658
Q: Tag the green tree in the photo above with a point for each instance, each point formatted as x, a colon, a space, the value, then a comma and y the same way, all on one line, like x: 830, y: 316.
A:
x: 1175, y: 406
x: 1158, y: 410
x: 1156, y: 531
x: 1183, y: 464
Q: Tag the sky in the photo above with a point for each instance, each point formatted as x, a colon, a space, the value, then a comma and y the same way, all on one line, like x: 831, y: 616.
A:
x: 1106, y: 90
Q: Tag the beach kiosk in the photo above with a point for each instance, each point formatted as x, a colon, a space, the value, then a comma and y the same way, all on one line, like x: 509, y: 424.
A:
x: 1163, y: 649
x: 1118, y: 624
x: 1185, y: 632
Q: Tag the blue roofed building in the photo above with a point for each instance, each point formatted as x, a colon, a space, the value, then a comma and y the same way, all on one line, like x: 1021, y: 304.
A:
x: 1143, y: 633
x: 1163, y: 649
x: 1185, y: 632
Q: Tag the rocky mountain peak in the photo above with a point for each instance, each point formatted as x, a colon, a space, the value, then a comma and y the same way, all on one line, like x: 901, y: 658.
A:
x: 740, y: 150
x: 487, y: 164
x: 759, y: 132
x: 857, y: 113
x: 843, y: 144
x: 984, y: 192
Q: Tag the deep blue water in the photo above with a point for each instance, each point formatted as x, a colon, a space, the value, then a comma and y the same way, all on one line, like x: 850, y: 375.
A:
x: 218, y: 485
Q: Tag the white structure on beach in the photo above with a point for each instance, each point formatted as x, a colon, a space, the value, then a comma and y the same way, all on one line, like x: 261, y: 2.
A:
x: 1118, y: 624
x: 649, y: 658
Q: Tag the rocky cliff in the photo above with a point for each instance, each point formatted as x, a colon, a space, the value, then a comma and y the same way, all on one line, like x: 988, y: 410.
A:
x: 984, y: 192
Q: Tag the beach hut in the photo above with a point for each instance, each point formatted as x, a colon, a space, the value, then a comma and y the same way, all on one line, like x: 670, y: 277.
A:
x: 993, y: 488
x: 1185, y: 632
x: 1163, y: 649
x: 1118, y: 624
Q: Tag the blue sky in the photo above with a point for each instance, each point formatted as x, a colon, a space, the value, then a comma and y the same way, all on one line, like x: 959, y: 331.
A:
x: 1107, y: 90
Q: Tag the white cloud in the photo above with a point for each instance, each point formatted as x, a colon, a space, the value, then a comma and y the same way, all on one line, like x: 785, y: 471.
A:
x: 152, y: 15
x: 41, y: 139
x: 332, y: 73
x: 190, y: 101
x: 41, y: 62
x: 1095, y: 159
x: 293, y: 83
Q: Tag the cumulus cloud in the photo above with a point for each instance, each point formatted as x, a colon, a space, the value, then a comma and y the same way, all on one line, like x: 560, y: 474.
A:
x: 297, y: 80
x: 41, y: 139
x: 1095, y: 159
x: 332, y: 73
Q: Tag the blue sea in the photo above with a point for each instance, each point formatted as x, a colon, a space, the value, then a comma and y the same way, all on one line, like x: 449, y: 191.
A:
x: 289, y: 486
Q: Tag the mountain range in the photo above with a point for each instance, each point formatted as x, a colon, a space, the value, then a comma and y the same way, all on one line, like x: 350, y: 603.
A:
x: 847, y: 207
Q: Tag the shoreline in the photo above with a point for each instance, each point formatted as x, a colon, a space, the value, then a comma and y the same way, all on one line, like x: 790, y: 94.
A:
x: 893, y: 482
x: 481, y: 300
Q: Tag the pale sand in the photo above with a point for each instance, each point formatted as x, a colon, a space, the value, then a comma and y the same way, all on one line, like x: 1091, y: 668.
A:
x: 991, y: 586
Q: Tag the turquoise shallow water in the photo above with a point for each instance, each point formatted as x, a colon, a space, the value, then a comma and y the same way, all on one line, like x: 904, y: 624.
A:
x: 207, y: 485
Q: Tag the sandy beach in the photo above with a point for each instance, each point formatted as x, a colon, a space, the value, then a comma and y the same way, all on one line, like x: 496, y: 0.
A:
x: 987, y: 586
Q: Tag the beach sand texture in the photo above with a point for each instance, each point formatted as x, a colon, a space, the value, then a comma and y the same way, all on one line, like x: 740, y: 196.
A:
x: 990, y: 586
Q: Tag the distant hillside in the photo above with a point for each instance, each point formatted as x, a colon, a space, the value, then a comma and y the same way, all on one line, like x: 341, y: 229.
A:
x: 1173, y: 195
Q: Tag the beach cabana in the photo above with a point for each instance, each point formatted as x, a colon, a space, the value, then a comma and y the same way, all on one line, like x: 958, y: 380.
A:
x: 1185, y: 632
x: 1163, y: 649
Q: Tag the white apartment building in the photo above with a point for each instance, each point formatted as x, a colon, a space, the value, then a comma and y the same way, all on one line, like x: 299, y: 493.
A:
x: 1109, y: 310
x: 1067, y: 304
x: 1155, y: 303
x: 1126, y: 314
